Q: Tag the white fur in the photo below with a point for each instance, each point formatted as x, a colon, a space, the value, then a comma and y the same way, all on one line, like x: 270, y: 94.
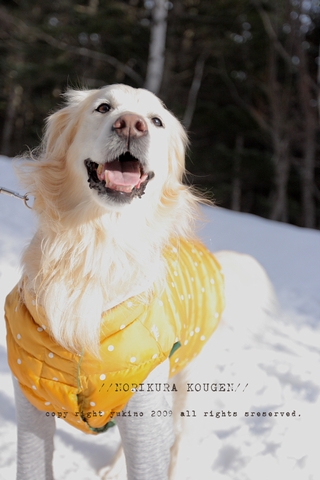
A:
x: 89, y: 248
x: 86, y: 247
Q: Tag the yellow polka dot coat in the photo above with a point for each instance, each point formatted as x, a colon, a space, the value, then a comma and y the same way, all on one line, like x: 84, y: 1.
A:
x: 135, y: 337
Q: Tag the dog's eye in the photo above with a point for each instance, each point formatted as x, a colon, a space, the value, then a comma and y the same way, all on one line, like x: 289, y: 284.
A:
x: 103, y: 108
x: 157, y: 122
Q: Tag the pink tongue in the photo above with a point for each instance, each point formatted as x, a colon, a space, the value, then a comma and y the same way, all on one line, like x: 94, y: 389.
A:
x: 123, y: 173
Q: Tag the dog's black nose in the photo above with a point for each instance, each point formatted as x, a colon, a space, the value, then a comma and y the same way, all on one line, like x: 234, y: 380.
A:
x: 130, y: 126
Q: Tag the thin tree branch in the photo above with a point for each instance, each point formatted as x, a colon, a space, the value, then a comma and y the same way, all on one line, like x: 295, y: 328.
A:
x: 255, y: 114
x: 272, y: 35
x: 194, y: 90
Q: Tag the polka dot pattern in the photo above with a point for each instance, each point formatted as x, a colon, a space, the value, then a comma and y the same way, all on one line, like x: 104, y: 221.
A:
x: 199, y: 285
x: 135, y: 339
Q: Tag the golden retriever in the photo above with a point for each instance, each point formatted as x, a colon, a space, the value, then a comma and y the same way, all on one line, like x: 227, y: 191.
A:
x: 110, y: 200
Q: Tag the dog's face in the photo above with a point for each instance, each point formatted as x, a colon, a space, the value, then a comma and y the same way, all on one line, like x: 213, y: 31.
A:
x: 120, y: 143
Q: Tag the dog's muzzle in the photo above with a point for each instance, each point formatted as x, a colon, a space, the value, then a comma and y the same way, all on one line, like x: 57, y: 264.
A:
x: 121, y: 179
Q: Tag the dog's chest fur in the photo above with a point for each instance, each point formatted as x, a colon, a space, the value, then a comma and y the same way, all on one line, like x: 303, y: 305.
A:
x: 135, y: 337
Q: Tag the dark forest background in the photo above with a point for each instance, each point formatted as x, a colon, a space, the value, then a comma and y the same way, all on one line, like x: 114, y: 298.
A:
x: 242, y: 75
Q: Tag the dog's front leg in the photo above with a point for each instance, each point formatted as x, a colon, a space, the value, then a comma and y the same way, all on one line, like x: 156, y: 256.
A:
x: 35, y: 440
x: 148, y: 437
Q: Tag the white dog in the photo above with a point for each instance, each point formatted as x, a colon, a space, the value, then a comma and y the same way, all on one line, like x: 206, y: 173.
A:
x: 115, y: 291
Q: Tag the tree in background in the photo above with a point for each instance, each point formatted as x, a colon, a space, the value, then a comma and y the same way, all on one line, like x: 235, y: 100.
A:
x: 242, y: 75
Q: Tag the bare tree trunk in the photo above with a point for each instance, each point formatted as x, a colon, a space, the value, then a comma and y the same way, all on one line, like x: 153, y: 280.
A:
x: 236, y: 182
x: 282, y: 167
x: 157, y: 46
x: 310, y: 129
x: 11, y: 113
x: 280, y: 140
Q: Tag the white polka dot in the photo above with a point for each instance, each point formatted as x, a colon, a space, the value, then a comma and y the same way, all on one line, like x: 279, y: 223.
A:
x: 19, y: 336
x: 103, y: 376
x: 201, y: 253
x: 203, y: 289
x: 189, y: 296
x: 55, y: 379
x: 202, y: 338
x: 122, y: 327
x: 197, y: 329
x: 173, y: 285
x: 196, y: 264
x: 212, y: 281
x: 19, y: 361
x: 50, y: 355
x: 176, y: 360
x: 175, y: 273
x: 133, y: 359
x: 174, y: 250
x: 47, y: 403
x: 192, y: 279
x: 92, y: 404
x: 186, y: 342
x: 129, y: 304
x: 154, y: 356
x: 173, y: 370
x: 111, y: 348
x: 40, y: 329
x: 194, y: 250
x: 182, y: 297
x: 191, y: 333
x: 34, y: 387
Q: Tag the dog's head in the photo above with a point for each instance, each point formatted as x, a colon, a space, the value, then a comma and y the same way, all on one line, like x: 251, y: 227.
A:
x: 110, y: 147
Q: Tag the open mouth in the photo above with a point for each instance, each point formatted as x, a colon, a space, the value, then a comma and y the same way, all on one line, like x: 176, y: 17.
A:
x: 122, y: 179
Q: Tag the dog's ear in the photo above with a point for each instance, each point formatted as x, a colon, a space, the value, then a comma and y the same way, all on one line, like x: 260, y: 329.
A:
x: 61, y: 126
x: 42, y: 172
x: 177, y: 152
x: 74, y: 97
x: 178, y: 199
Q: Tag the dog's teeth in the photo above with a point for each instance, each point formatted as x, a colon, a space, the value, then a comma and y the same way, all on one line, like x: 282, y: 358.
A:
x: 100, y: 172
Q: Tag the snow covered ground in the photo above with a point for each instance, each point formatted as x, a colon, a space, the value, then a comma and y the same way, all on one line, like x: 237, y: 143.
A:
x: 276, y: 372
